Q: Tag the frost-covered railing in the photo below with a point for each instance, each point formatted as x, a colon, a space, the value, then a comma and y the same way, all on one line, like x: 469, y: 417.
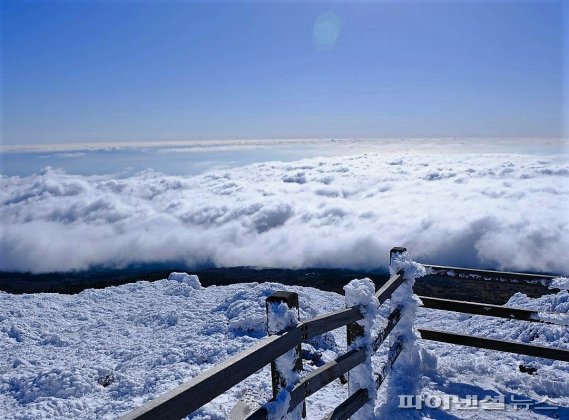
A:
x: 476, y: 308
x: 282, y: 351
x: 489, y: 275
x: 282, y: 348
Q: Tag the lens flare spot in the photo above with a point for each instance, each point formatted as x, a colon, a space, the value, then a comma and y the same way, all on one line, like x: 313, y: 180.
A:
x: 326, y: 31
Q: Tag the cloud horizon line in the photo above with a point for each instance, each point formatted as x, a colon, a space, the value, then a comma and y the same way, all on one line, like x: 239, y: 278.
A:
x: 479, y: 211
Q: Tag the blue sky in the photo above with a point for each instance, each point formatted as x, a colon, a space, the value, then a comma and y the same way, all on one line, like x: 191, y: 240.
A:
x: 102, y: 71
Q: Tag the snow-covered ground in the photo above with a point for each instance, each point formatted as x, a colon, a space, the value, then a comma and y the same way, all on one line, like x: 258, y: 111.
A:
x: 142, y: 339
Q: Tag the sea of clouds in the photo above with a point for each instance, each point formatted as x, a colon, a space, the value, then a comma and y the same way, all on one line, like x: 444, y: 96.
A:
x: 497, y: 210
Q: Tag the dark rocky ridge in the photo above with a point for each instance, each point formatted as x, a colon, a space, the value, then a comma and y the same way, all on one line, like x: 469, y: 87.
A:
x: 324, y: 279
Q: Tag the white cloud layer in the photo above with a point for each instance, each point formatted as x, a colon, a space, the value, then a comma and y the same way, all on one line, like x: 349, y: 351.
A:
x: 505, y: 211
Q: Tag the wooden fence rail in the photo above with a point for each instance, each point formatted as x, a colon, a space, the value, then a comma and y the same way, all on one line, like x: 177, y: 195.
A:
x: 471, y: 273
x: 498, y: 345
x: 353, y: 403
x: 485, y: 309
x: 318, y: 378
x: 190, y: 396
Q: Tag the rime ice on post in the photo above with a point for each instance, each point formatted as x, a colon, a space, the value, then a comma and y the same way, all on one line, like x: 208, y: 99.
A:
x: 404, y: 380
x: 361, y: 292
x: 282, y: 314
x: 399, y: 260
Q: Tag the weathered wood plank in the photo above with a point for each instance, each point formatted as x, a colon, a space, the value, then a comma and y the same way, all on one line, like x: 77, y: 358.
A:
x: 327, y: 373
x: 481, y: 309
x: 392, y: 321
x: 200, y: 390
x: 318, y: 379
x: 357, y: 400
x: 349, y: 406
x: 469, y: 273
x: 498, y: 345
x: 394, y: 352
x: 388, y: 288
x: 323, y: 323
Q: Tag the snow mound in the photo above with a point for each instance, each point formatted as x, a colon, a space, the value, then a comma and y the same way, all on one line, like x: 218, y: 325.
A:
x: 560, y: 283
x: 190, y: 280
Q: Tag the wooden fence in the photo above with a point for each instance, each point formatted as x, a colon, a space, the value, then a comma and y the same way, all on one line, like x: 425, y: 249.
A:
x: 476, y: 308
x: 200, y: 390
x: 192, y: 395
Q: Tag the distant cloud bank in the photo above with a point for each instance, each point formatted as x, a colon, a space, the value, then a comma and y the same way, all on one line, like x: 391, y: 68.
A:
x: 501, y: 211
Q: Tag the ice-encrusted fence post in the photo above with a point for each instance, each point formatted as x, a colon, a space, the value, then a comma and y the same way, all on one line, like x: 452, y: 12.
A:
x: 404, y: 378
x: 361, y: 292
x: 399, y: 260
x: 282, y: 314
